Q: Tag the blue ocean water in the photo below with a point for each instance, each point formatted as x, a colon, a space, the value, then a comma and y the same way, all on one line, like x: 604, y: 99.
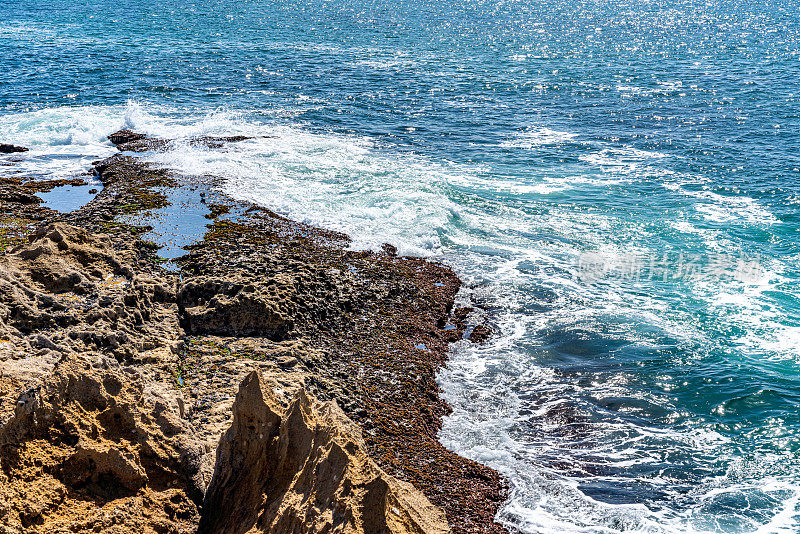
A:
x: 618, y: 182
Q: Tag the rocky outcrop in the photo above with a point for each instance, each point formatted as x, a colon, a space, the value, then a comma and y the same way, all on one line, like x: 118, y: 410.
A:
x: 130, y: 141
x: 95, y: 447
x: 70, y: 290
x: 258, y: 291
x: 17, y: 196
x: 91, y: 449
x: 6, y: 148
x: 238, y: 306
x: 125, y: 136
x: 304, y: 470
x: 265, y: 304
x: 59, y: 259
x: 94, y: 444
x: 381, y: 325
x: 63, y: 258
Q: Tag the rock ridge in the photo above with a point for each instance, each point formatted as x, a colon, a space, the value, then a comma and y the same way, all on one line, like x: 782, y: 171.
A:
x: 138, y: 368
x: 304, y: 469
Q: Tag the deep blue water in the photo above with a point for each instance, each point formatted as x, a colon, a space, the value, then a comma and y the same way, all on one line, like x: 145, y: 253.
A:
x: 617, y: 181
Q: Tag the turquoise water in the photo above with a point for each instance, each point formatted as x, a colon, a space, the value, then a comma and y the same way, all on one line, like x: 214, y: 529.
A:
x: 617, y: 181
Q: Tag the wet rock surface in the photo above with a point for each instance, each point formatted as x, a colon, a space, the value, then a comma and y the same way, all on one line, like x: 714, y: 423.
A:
x: 258, y: 293
x: 129, y: 141
x: 6, y: 148
x: 125, y: 136
x: 380, y: 329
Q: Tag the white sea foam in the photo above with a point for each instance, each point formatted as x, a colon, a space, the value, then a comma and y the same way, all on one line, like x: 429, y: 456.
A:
x: 721, y: 208
x: 545, y: 500
x: 62, y: 141
x: 395, y: 62
x: 627, y: 158
x: 333, y: 181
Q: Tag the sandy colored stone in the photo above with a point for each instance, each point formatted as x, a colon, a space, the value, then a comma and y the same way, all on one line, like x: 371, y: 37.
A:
x: 88, y: 450
x: 304, y: 470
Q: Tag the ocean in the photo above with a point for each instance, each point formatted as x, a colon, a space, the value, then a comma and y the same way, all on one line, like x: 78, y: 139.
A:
x: 617, y: 183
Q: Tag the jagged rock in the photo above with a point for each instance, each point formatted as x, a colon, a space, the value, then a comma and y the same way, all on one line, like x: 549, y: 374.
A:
x: 304, y: 470
x: 125, y: 136
x: 480, y: 333
x: 130, y: 141
x: 59, y: 259
x: 277, y: 301
x: 357, y: 318
x: 68, y: 290
x: 6, y: 148
x: 88, y: 449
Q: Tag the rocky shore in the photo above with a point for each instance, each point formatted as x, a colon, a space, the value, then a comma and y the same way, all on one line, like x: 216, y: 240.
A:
x: 268, y: 380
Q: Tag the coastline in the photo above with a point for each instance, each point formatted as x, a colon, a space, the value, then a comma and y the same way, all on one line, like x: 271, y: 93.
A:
x: 258, y: 292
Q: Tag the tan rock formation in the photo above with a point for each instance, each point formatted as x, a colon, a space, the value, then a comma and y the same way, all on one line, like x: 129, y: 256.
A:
x: 304, y: 470
x: 88, y: 451
x: 68, y: 289
x: 237, y: 305
x: 94, y: 444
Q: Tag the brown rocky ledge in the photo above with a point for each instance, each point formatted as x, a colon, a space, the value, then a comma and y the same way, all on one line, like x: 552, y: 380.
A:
x: 6, y: 148
x: 119, y: 409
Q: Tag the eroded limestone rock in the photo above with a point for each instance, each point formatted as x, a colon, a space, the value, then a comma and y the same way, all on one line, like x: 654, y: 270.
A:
x: 88, y: 449
x: 238, y: 306
x: 304, y: 470
x: 70, y: 290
